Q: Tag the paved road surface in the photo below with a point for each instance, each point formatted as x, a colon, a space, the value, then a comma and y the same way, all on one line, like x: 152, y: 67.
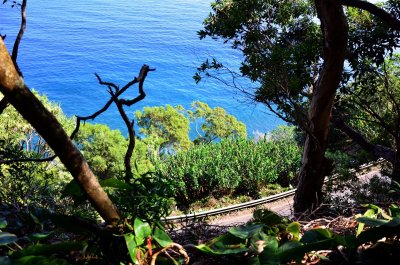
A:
x: 283, y: 207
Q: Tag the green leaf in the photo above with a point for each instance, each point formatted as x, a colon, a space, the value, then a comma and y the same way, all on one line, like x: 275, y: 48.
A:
x: 35, y: 219
x: 288, y: 250
x: 372, y: 221
x: 131, y: 245
x: 229, y: 249
x: 161, y: 237
x: 246, y: 231
x: 394, y: 211
x: 294, y: 229
x: 3, y: 223
x: 316, y: 235
x: 269, y: 255
x: 115, y: 183
x: 267, y: 217
x: 7, y: 238
x: 73, y: 190
x: 38, y: 250
x: 225, y: 244
x: 39, y: 260
x: 142, y: 231
x: 393, y: 223
x: 39, y: 236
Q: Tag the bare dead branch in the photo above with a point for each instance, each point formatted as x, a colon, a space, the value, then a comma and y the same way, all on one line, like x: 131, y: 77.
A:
x: 19, y: 36
x: 115, y: 92
x: 375, y: 10
x: 131, y: 144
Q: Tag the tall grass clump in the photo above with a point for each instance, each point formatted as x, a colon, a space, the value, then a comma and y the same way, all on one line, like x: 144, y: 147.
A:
x: 232, y: 166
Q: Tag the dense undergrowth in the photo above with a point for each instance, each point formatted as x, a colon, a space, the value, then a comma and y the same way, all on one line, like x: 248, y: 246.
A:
x: 45, y: 219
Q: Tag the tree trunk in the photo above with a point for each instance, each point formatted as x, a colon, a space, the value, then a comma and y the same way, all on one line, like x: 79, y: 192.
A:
x: 334, y: 29
x: 17, y: 93
x: 377, y: 151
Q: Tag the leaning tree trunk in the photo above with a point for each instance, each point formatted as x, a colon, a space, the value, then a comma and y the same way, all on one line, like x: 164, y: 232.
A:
x: 17, y: 93
x: 334, y: 29
x: 396, y: 165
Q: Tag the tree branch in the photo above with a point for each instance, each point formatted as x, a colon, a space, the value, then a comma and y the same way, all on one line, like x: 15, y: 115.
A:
x: 375, y: 10
x: 120, y: 105
x: 21, y: 160
x: 377, y: 151
x: 19, y: 36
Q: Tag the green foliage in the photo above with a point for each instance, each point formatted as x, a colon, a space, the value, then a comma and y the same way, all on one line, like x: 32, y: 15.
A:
x: 144, y: 239
x: 166, y: 127
x: 372, y: 103
x: 147, y: 197
x: 273, y: 240
x: 237, y: 166
x: 29, y: 183
x: 217, y: 124
x: 280, y: 42
x: 103, y: 149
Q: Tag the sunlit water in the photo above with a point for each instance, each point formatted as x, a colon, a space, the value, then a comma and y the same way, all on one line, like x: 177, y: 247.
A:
x: 66, y: 42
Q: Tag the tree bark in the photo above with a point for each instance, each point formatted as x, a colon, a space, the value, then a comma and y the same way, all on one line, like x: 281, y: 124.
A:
x: 14, y: 89
x: 311, y: 176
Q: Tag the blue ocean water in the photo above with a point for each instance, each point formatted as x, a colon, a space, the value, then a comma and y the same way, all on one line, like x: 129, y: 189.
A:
x: 66, y: 42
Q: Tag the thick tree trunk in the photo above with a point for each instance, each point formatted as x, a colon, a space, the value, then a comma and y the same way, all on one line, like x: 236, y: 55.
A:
x: 14, y: 89
x: 334, y: 29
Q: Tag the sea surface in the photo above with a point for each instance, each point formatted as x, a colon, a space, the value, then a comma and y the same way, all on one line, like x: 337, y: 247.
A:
x: 67, y: 41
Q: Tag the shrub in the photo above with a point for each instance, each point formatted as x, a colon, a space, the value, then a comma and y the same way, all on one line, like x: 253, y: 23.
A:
x: 239, y: 166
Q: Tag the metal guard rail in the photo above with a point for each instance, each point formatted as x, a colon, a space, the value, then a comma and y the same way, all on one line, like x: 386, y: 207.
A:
x: 231, y: 208
x: 240, y: 206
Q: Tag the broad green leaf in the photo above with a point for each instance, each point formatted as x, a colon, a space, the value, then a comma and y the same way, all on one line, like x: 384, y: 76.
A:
x: 73, y: 190
x: 268, y: 256
x: 369, y: 213
x: 161, y: 237
x: 371, y: 221
x: 142, y: 231
x: 246, y: 231
x: 393, y: 223
x: 7, y: 238
x: 316, y: 235
x: 225, y: 244
x: 294, y: 229
x: 394, y: 211
x: 288, y: 251
x: 228, y: 249
x: 267, y: 217
x: 35, y: 219
x: 39, y: 236
x: 39, y: 260
x: 293, y: 250
x: 3, y: 223
x: 46, y: 250
x: 372, y: 207
x: 131, y: 245
x: 115, y: 183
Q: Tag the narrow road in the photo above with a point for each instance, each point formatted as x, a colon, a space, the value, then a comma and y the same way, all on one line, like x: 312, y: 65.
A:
x: 283, y: 207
